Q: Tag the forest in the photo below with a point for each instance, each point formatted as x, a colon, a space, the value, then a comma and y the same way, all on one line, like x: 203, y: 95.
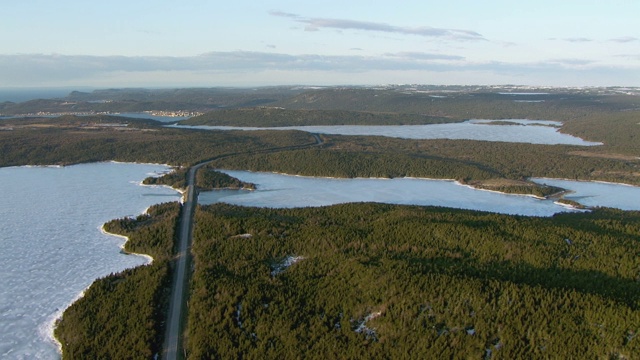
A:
x: 358, y: 280
x: 382, y: 281
x: 276, y: 116
x: 71, y: 140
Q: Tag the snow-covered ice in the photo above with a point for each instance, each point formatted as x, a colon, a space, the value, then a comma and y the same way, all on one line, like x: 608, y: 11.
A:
x: 52, y: 244
x: 287, y: 191
x: 476, y: 129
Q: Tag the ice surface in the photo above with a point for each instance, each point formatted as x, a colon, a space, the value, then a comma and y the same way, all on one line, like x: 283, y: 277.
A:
x: 286, y: 191
x: 52, y: 246
x: 530, y: 132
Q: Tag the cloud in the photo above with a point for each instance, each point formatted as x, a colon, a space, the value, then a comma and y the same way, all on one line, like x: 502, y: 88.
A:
x: 254, y: 67
x: 572, y: 39
x: 80, y: 65
x: 629, y: 56
x: 283, y: 14
x: 420, y: 56
x: 315, y: 24
x: 571, y: 62
x: 625, y: 39
x: 577, y: 39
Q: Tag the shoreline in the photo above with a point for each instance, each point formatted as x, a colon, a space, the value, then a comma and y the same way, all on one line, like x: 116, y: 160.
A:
x: 47, y: 329
x: 149, y: 258
x: 50, y: 326
x: 500, y: 192
x: 586, y: 181
x: 386, y: 178
x: 58, y: 166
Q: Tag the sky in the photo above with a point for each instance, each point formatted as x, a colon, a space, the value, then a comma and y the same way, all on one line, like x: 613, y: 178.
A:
x: 199, y: 43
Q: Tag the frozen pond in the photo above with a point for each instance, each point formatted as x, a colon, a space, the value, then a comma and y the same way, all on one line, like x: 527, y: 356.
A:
x: 278, y: 190
x: 528, y: 131
x: 52, y: 247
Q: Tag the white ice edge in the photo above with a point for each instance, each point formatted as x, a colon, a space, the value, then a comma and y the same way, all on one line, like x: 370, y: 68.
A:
x: 568, y: 206
x: 126, y: 239
x: 330, y: 177
x: 181, y: 192
x: 498, y: 192
x: 92, y: 162
x: 134, y: 162
x: 386, y: 178
x: 47, y: 329
x: 537, y: 179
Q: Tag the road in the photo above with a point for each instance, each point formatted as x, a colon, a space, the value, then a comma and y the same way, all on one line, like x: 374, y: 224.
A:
x: 177, y: 302
x: 173, y: 347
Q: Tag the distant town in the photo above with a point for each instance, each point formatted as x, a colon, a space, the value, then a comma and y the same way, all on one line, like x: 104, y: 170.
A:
x: 178, y: 113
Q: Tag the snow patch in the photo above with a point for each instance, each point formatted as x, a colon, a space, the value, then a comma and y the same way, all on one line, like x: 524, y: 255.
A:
x: 282, y: 266
x: 242, y: 236
x: 238, y: 314
x: 362, y: 328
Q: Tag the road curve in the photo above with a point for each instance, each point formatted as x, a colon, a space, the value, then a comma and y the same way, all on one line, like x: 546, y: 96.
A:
x: 173, y: 347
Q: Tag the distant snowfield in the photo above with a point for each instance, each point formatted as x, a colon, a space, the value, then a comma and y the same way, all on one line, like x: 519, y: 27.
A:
x: 531, y: 131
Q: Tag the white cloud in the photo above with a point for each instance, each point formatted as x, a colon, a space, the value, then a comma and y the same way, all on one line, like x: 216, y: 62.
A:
x: 315, y: 24
x: 571, y: 62
x: 252, y: 68
x: 625, y: 39
x: 578, y: 39
x: 421, y: 56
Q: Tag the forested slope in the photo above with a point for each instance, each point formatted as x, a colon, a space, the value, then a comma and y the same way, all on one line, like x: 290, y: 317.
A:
x: 465, y: 160
x: 381, y: 281
x: 71, y: 139
x: 274, y: 116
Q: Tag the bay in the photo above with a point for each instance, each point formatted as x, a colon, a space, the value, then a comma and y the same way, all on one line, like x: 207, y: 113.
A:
x: 52, y: 244
x: 287, y: 191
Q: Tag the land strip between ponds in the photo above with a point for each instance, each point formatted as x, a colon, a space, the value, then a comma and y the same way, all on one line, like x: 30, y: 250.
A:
x: 173, y: 347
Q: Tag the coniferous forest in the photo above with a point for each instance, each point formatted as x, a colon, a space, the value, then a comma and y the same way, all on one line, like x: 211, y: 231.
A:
x: 382, y: 281
x: 360, y: 280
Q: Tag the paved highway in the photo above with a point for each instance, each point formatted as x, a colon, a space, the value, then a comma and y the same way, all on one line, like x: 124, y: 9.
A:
x: 177, y: 303
x: 173, y: 347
